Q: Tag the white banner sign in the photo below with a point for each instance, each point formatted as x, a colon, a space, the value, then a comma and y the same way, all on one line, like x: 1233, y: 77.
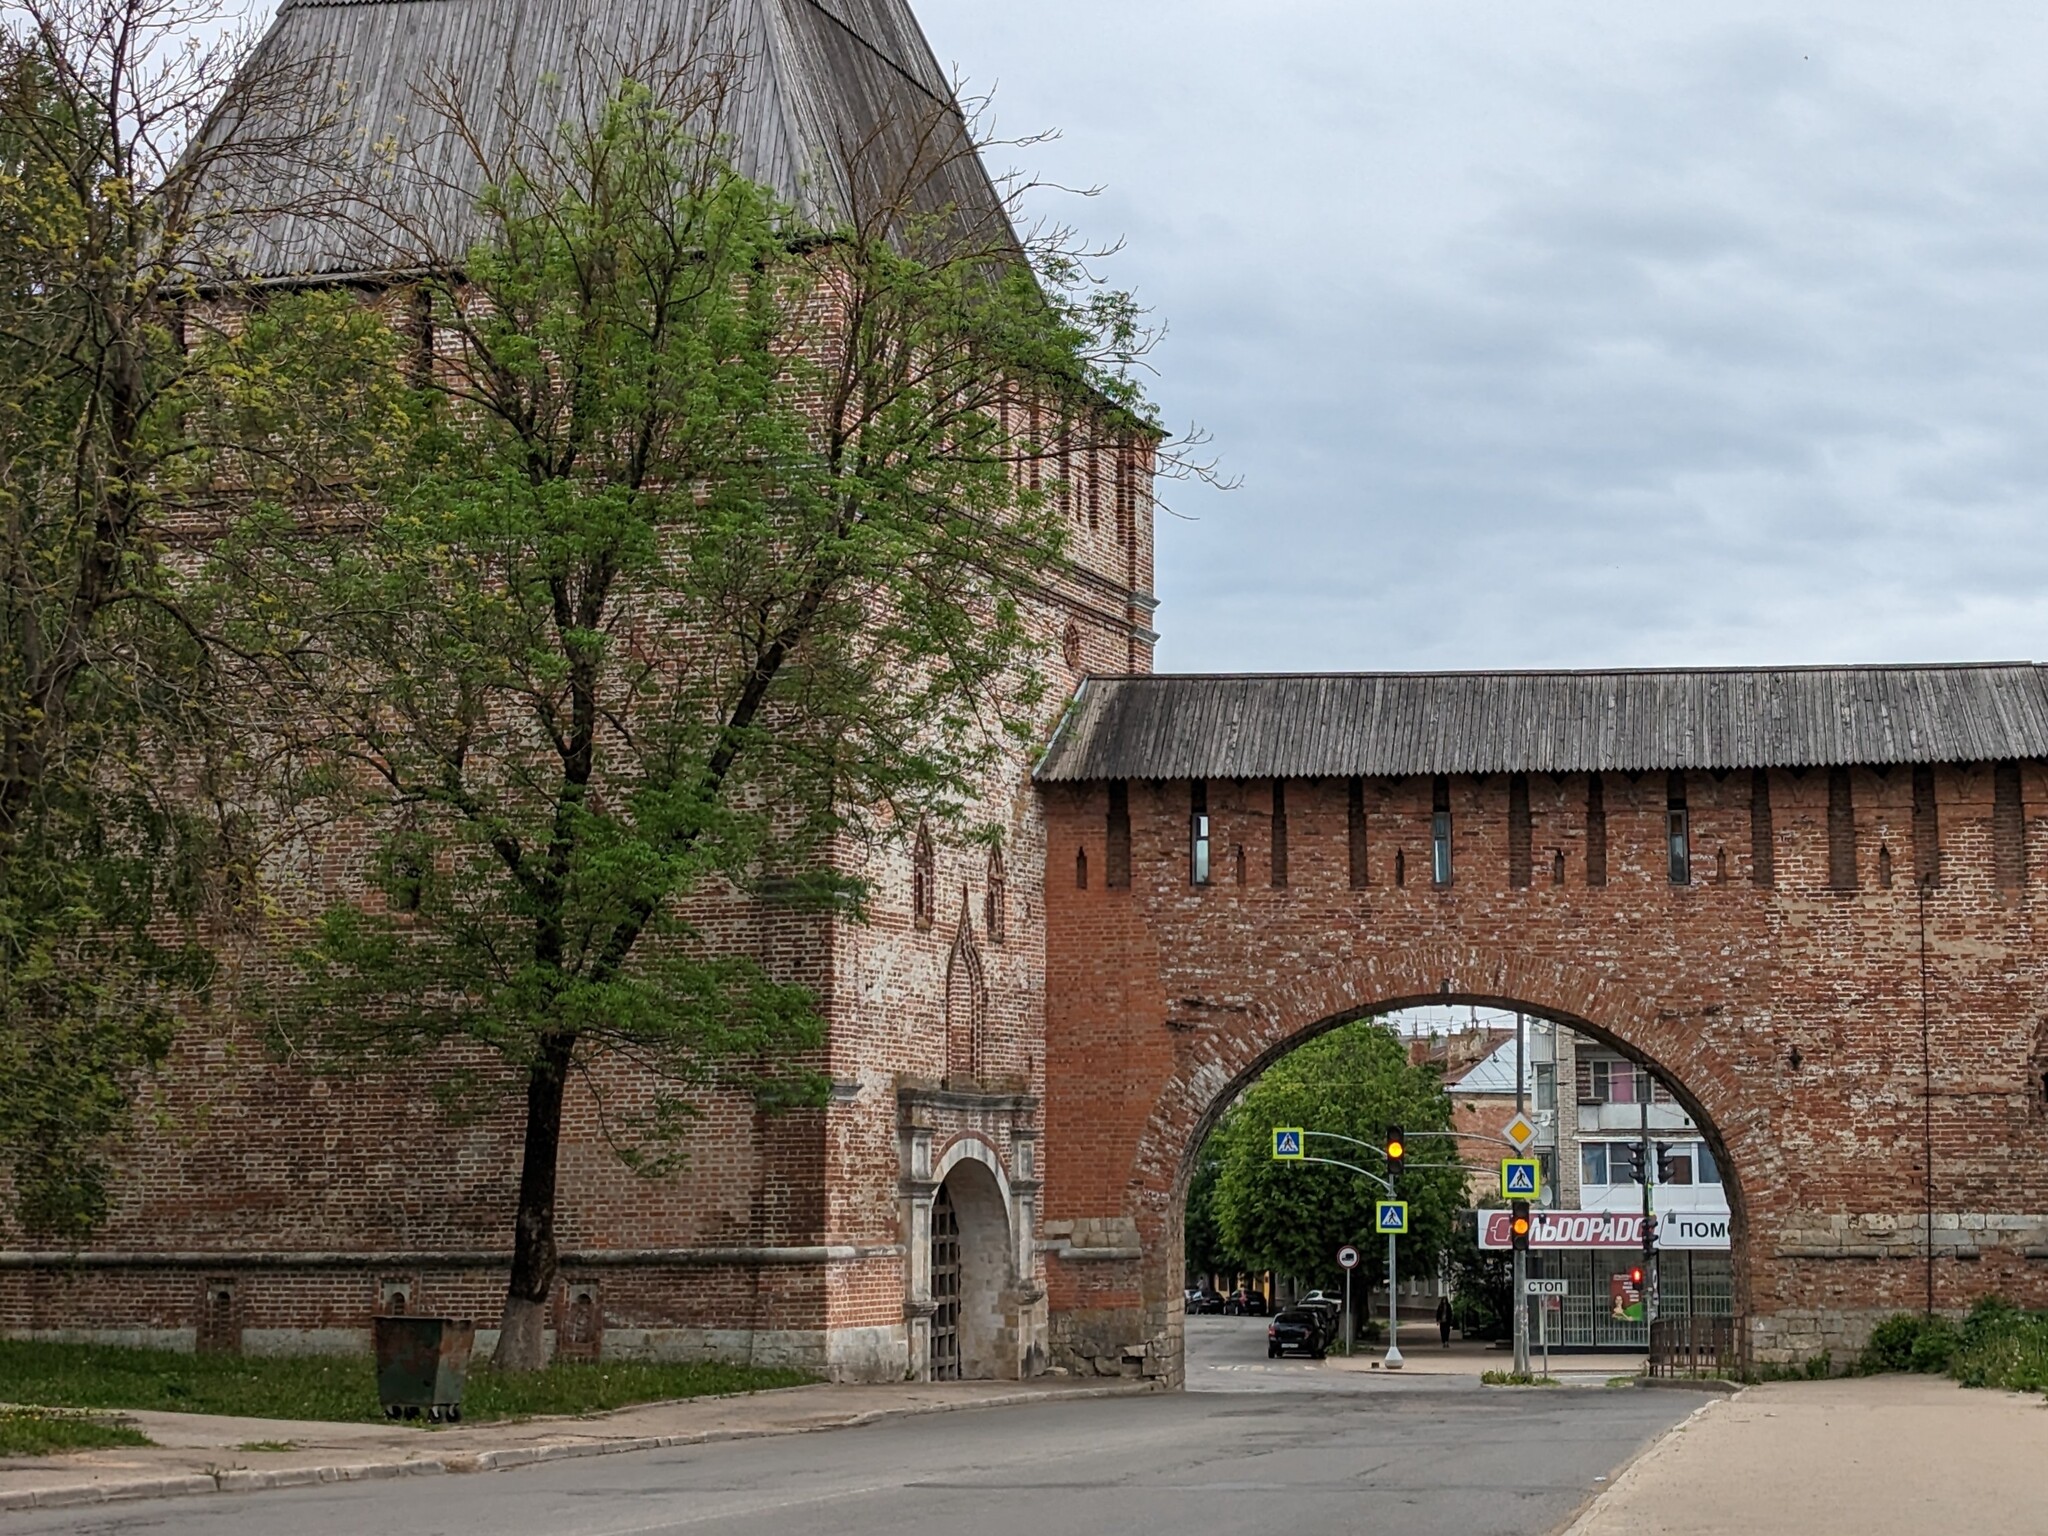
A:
x: 1608, y: 1229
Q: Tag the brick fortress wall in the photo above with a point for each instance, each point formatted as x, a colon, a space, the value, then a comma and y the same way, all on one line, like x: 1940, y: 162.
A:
x: 1787, y: 1015
x: 264, y: 1208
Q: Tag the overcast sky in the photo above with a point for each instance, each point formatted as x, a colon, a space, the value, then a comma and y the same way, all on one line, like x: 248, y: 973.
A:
x: 1572, y: 334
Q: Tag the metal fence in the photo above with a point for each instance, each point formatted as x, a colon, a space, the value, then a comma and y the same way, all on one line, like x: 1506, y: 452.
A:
x: 1699, y: 1345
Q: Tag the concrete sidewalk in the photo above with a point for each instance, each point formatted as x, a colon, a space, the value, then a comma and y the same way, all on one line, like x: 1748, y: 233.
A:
x: 1877, y: 1456
x: 1426, y: 1357
x: 203, y: 1453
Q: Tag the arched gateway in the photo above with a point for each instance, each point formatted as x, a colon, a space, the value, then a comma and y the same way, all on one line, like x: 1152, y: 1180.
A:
x: 1807, y: 897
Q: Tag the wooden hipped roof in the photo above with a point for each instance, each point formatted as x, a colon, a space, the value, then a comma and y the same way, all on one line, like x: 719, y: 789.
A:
x: 1318, y: 725
x: 815, y: 79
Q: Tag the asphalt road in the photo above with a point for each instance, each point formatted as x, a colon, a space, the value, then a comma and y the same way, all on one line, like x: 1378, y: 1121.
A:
x: 1426, y: 1457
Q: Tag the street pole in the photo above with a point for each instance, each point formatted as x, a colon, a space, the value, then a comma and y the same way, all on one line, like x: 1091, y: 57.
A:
x: 1521, y: 1260
x: 1649, y: 1210
x: 1393, y: 1360
x: 1350, y: 1322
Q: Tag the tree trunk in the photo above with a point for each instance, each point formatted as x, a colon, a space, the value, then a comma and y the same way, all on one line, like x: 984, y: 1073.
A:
x: 522, y: 1339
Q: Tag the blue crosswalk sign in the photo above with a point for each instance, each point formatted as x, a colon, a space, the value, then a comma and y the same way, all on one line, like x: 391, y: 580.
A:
x: 1391, y: 1216
x: 1521, y: 1178
x: 1287, y: 1143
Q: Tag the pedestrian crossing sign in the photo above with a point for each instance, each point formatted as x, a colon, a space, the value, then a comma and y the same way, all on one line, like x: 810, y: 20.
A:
x: 1287, y: 1144
x: 1391, y: 1216
x: 1521, y: 1178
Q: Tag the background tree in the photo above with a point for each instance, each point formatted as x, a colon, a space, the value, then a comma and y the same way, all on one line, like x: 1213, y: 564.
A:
x: 706, y: 558
x: 116, y: 837
x: 1355, y: 1081
x: 1204, y: 1252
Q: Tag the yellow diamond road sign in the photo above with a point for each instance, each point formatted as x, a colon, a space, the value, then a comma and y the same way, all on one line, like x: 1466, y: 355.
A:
x: 1521, y: 1130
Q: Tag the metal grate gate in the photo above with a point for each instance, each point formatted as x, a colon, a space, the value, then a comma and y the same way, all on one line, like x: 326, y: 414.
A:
x: 945, y: 1355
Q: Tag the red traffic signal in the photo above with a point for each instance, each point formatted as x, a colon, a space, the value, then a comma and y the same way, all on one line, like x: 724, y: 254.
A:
x: 1635, y: 1277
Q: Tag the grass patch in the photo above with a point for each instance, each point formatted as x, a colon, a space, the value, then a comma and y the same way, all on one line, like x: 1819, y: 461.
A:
x: 1518, y: 1379
x: 268, y: 1445
x: 340, y: 1388
x: 1623, y: 1381
x: 33, y: 1432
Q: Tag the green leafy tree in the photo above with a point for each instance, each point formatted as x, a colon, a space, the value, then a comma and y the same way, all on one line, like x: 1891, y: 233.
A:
x: 1355, y: 1081
x: 704, y: 561
x: 119, y: 858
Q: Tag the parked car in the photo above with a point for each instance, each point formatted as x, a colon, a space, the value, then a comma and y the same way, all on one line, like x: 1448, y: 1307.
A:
x: 1198, y: 1301
x: 1244, y: 1303
x: 1295, y: 1330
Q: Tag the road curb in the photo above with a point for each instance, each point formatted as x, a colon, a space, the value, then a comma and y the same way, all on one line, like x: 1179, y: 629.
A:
x: 249, y: 1480
x: 1714, y: 1384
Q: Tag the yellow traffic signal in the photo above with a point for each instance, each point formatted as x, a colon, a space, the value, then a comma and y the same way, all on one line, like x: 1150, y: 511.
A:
x: 1397, y: 1146
x: 1518, y: 1225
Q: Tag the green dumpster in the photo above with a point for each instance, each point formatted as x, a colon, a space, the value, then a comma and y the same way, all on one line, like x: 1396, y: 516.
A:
x: 421, y: 1364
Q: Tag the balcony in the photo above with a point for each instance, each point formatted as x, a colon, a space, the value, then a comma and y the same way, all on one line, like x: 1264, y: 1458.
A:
x: 1664, y: 1118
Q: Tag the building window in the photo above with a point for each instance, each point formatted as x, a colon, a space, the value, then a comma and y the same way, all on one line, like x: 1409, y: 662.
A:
x: 1546, y: 1085
x: 1440, y: 833
x: 1117, y: 856
x: 1605, y: 1162
x: 1198, y: 832
x: 1080, y: 869
x: 995, y: 901
x: 1704, y: 1166
x: 924, y: 885
x: 1678, y: 832
x: 1606, y: 1080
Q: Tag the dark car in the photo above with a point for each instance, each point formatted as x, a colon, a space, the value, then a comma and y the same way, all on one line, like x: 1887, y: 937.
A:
x: 1244, y: 1303
x: 1295, y: 1330
x: 1199, y: 1301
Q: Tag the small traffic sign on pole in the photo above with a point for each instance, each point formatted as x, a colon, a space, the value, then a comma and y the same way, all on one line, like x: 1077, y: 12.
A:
x: 1391, y: 1217
x: 1287, y: 1143
x: 1521, y: 1178
x: 1547, y: 1287
x: 1521, y: 1130
x: 1348, y: 1256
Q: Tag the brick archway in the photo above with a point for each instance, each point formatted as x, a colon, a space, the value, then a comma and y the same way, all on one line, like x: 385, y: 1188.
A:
x: 1784, y: 1015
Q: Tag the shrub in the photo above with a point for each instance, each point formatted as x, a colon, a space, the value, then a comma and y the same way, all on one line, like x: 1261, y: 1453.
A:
x: 1996, y: 1345
x: 1891, y: 1344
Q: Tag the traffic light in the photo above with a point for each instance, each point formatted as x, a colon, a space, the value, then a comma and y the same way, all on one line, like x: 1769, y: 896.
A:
x: 1665, y: 1155
x: 1635, y: 1278
x: 1649, y: 1234
x: 1635, y: 1162
x: 1397, y: 1148
x: 1518, y: 1225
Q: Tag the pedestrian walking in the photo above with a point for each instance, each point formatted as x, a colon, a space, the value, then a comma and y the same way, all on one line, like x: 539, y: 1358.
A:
x: 1443, y: 1320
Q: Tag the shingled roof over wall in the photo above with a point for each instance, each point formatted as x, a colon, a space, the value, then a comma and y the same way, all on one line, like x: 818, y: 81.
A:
x: 815, y: 78
x: 1391, y: 723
